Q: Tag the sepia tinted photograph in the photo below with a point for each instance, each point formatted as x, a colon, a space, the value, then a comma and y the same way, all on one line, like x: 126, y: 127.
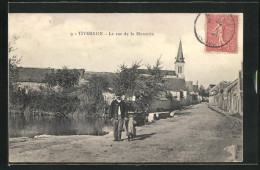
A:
x: 125, y: 87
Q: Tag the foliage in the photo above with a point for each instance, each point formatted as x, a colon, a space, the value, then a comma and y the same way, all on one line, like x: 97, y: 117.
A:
x: 64, y: 78
x: 145, y: 87
x: 203, y: 92
x: 126, y: 80
x: 50, y: 79
x: 93, y: 101
x: 150, y: 86
x: 169, y: 96
x: 13, y: 62
x: 49, y: 100
x: 17, y: 96
x: 13, y: 69
x: 99, y: 82
x: 52, y: 101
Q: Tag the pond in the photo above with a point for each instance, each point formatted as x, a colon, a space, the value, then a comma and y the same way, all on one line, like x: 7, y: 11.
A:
x: 30, y: 126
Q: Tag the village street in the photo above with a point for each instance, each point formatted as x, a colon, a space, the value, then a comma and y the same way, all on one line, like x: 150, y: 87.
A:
x: 197, y: 134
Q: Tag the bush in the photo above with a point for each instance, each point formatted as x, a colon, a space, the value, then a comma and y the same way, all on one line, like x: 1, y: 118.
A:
x: 92, y: 100
x: 131, y: 82
x: 17, y: 96
x: 52, y: 101
x: 47, y: 100
x: 64, y: 78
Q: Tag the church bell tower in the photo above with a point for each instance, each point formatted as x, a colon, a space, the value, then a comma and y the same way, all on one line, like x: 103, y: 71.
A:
x: 179, y: 63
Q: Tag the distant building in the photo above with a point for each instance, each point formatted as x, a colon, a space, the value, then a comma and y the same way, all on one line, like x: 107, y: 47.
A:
x: 33, y: 78
x: 35, y: 75
x: 166, y: 73
x: 183, y: 92
x: 176, y: 87
x: 179, y: 63
x: 189, y: 86
x: 218, y: 88
x: 178, y: 66
x: 211, y: 86
x: 228, y: 96
x: 195, y: 89
x: 174, y: 79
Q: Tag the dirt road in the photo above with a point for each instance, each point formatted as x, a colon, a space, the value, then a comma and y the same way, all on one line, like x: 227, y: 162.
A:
x: 197, y: 134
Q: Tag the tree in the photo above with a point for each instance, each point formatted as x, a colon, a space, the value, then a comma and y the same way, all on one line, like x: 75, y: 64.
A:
x: 130, y: 82
x: 13, y: 62
x: 126, y: 80
x: 64, y: 78
x: 93, y: 102
x: 67, y: 78
x: 16, y: 95
x: 203, y: 92
x: 98, y: 81
x: 150, y: 86
x: 50, y: 79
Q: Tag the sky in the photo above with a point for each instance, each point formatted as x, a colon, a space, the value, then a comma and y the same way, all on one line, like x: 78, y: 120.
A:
x: 53, y: 40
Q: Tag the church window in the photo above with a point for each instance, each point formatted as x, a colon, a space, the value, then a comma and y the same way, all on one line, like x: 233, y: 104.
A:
x: 179, y: 69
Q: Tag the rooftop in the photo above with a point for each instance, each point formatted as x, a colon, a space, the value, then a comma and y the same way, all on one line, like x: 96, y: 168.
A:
x: 165, y: 72
x: 31, y: 74
x: 175, y: 84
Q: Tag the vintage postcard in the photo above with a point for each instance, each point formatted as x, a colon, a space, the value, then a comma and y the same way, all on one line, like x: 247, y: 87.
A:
x: 125, y: 87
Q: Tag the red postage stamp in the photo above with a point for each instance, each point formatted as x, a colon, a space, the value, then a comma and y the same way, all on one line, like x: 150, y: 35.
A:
x: 221, y: 33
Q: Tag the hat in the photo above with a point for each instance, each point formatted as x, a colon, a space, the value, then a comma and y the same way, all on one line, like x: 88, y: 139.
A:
x: 119, y: 94
x: 131, y: 114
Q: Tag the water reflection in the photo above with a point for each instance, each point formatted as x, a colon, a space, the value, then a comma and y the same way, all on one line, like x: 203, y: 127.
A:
x: 30, y: 126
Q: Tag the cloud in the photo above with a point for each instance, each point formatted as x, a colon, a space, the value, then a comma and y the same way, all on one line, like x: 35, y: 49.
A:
x: 46, y: 41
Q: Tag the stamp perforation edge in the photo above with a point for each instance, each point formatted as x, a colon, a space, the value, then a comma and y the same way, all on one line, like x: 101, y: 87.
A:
x: 238, y: 37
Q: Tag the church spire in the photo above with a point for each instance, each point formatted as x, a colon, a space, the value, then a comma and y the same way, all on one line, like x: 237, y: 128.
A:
x: 179, y: 57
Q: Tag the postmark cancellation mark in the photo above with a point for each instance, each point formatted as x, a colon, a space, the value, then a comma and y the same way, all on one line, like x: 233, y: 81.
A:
x: 221, y: 33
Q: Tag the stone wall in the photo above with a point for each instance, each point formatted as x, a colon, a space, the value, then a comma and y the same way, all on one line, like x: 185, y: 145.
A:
x: 164, y: 105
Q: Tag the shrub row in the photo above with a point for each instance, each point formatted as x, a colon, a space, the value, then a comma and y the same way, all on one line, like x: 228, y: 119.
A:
x: 48, y: 101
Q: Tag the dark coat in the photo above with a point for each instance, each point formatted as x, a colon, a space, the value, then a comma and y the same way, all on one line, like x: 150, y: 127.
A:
x: 114, y: 109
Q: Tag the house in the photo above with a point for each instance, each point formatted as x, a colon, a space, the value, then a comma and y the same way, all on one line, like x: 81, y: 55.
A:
x: 29, y: 74
x: 218, y: 88
x: 195, y: 89
x: 228, y: 99
x: 35, y: 75
x: 174, y: 81
x: 233, y: 96
x: 33, y: 78
x: 189, y: 86
x: 211, y: 86
x: 166, y: 73
x: 228, y: 96
x: 176, y: 87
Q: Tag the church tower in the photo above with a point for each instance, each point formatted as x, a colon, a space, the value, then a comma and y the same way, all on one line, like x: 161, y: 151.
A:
x: 179, y: 63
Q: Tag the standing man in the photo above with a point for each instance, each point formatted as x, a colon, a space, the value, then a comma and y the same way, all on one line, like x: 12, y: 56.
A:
x: 118, y: 114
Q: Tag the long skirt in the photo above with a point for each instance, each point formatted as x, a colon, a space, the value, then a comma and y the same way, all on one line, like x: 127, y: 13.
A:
x: 131, y: 127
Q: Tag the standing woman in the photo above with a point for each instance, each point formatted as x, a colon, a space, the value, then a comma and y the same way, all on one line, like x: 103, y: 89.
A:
x: 131, y: 127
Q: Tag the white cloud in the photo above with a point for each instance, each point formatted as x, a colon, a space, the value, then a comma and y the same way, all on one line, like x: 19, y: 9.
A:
x: 45, y: 41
